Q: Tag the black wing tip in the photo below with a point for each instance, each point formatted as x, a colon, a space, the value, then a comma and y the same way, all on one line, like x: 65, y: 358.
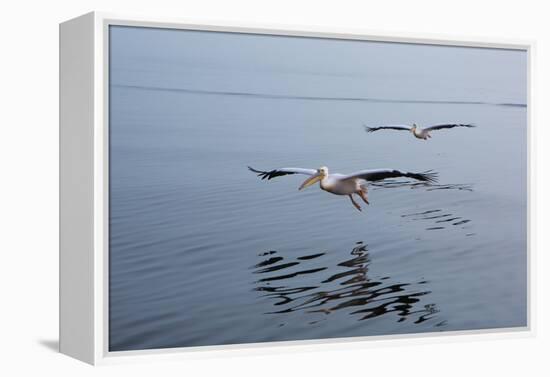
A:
x: 260, y: 173
x: 428, y: 176
x: 468, y: 125
x: 369, y: 129
x: 268, y: 174
x: 451, y: 125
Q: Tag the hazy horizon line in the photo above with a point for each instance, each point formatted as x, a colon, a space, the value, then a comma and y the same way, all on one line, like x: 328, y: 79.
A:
x: 317, y: 98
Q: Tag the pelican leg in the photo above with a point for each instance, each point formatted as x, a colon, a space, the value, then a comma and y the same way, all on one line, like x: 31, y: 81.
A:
x: 363, y: 194
x: 355, y: 203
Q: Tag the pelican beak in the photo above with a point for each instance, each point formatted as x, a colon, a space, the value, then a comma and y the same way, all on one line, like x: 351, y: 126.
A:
x: 310, y: 181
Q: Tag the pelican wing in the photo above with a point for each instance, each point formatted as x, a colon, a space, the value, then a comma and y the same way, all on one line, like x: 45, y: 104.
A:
x: 396, y: 127
x: 380, y: 174
x: 443, y: 126
x: 282, y: 171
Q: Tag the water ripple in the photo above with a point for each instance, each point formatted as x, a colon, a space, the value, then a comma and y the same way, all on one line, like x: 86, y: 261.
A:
x: 418, y: 185
x: 313, y: 98
x: 350, y: 290
x: 438, y: 219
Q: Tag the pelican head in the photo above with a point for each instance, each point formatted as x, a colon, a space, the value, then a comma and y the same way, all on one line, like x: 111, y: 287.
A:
x: 413, y: 128
x: 322, y: 172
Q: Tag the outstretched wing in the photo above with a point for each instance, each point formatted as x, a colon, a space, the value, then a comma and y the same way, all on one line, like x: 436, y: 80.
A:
x: 443, y: 126
x: 396, y: 127
x: 380, y: 174
x: 282, y: 171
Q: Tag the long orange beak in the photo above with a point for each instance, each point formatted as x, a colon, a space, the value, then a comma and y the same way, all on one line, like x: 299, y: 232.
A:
x: 310, y: 181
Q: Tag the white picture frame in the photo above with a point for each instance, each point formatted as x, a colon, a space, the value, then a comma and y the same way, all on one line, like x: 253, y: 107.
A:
x: 84, y: 201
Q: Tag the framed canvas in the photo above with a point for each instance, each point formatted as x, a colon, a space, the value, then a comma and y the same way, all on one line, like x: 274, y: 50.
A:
x: 235, y: 187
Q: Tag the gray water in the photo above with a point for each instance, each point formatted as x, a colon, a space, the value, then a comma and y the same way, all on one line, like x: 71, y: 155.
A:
x: 203, y: 252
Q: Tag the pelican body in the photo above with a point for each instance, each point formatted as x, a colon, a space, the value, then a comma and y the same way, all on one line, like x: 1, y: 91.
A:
x: 419, y: 133
x: 342, y: 184
x: 337, y: 185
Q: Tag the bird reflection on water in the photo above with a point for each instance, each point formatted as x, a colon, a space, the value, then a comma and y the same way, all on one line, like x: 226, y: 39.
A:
x: 438, y: 218
x: 350, y: 290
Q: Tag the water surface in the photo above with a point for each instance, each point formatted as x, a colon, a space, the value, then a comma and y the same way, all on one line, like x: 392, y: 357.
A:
x: 202, y: 252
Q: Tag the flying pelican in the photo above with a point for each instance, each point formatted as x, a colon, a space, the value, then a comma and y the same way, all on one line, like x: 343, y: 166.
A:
x: 345, y: 184
x: 418, y: 132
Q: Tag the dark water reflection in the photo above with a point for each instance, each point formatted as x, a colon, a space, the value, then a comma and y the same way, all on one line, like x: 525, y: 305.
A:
x: 438, y: 219
x: 417, y: 185
x: 350, y: 290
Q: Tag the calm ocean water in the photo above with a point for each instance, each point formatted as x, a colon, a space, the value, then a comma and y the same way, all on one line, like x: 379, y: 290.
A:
x: 202, y: 252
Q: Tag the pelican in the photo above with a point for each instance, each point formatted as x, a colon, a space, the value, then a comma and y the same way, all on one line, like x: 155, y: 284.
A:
x: 419, y: 133
x: 345, y: 184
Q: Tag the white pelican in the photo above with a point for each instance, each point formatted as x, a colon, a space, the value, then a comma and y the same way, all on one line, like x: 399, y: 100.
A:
x: 345, y: 184
x: 419, y: 133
